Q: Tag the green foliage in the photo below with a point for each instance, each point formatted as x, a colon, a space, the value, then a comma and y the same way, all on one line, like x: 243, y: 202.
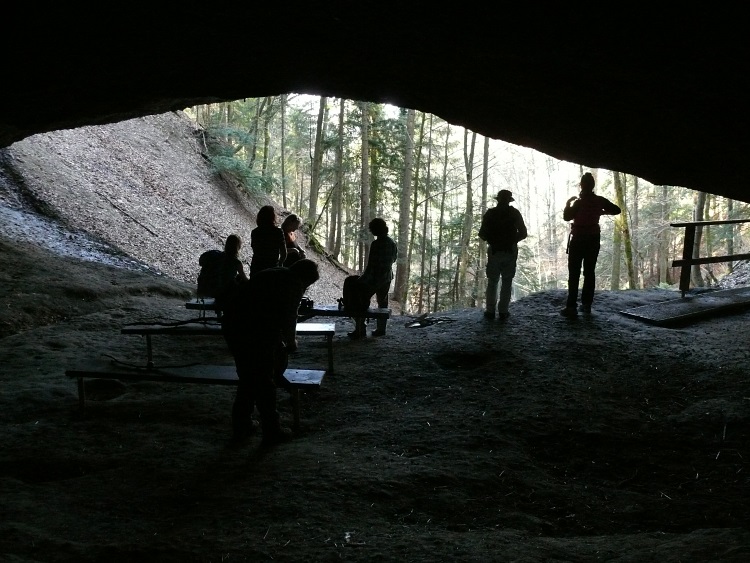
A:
x: 248, y: 178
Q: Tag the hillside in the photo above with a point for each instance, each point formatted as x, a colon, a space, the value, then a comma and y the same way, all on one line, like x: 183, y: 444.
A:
x: 139, y: 192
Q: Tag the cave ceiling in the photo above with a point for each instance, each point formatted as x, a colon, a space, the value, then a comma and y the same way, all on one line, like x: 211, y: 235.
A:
x: 658, y: 92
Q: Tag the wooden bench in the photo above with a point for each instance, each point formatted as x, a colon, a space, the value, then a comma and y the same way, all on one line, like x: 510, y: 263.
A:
x: 208, y: 328
x: 333, y: 311
x: 297, y: 379
x: 304, y: 313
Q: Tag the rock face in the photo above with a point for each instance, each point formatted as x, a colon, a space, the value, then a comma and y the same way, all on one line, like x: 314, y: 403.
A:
x: 137, y: 194
x: 661, y: 95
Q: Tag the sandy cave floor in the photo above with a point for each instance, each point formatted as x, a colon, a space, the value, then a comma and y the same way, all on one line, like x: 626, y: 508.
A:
x: 539, y: 439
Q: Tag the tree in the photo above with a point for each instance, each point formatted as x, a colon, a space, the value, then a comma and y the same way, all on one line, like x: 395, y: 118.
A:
x: 698, y: 211
x: 317, y: 162
x: 402, y: 265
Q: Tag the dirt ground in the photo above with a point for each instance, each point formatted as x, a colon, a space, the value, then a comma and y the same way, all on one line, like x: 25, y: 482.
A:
x: 454, y: 439
x: 541, y: 439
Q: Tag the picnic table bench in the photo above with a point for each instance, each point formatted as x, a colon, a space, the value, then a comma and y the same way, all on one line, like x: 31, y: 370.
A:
x: 296, y: 379
x: 206, y: 328
x: 209, y: 304
x: 304, y: 313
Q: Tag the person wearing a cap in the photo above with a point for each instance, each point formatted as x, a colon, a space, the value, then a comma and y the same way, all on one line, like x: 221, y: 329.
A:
x: 584, y: 242
x: 502, y: 228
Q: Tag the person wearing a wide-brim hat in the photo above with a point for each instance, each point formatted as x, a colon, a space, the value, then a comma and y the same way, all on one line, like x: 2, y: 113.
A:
x: 502, y: 228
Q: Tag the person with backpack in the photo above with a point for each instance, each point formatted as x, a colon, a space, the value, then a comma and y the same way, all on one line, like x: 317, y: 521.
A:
x: 376, y: 279
x: 260, y: 329
x: 267, y: 241
x: 502, y: 228
x: 221, y: 271
x: 584, y: 211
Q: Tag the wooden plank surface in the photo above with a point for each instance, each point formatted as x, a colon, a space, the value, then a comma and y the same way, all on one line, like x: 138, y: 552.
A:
x: 203, y: 373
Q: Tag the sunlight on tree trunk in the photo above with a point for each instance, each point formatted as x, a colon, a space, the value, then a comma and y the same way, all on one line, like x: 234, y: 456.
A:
x: 698, y: 211
x: 402, y: 265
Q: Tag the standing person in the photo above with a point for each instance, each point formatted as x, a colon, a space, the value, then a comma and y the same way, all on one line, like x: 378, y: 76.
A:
x: 584, y: 242
x: 294, y: 251
x: 376, y: 279
x: 502, y: 228
x: 260, y: 329
x: 267, y: 241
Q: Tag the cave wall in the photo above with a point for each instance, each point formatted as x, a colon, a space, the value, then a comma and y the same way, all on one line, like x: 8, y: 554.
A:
x: 653, y: 93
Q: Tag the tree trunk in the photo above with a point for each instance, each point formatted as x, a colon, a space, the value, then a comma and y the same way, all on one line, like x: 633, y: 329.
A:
x: 415, y: 199
x: 336, y: 226
x: 441, y: 222
x: 282, y: 150
x: 730, y: 234
x: 402, y: 265
x: 468, y: 223
x: 364, y: 241
x: 698, y: 210
x: 480, y: 281
x: 317, y: 163
x: 425, y: 222
x: 622, y: 232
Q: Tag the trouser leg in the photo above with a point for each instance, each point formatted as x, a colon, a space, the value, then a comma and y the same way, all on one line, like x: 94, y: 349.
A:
x: 244, y: 399
x: 575, y: 258
x: 589, y: 272
x: 265, y: 388
x: 491, y: 294
x: 382, y: 298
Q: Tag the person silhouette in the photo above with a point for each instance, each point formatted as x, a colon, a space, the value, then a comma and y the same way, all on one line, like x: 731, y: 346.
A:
x: 502, y: 228
x: 584, y: 242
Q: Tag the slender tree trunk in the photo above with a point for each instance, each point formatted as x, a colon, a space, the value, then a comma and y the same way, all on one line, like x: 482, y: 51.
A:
x: 364, y: 241
x: 441, y: 222
x: 468, y: 224
x: 317, y: 163
x: 663, y: 266
x: 731, y: 233
x: 336, y: 227
x: 415, y: 202
x: 480, y: 281
x: 698, y: 210
x: 402, y: 265
x: 284, y: 201
x: 425, y: 221
x: 622, y: 236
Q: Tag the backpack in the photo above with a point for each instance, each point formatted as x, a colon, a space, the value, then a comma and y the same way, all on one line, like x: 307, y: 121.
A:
x: 354, y: 299
x: 500, y: 229
x: 209, y: 278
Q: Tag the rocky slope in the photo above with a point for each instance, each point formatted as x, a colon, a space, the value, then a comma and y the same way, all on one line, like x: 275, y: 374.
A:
x: 137, y: 194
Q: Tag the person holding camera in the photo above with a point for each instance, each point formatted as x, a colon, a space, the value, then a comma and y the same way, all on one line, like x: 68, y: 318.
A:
x: 584, y: 211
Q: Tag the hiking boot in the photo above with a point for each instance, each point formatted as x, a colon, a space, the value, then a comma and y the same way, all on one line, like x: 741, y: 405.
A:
x: 489, y: 315
x: 502, y: 317
x: 280, y: 436
x: 585, y: 309
x: 569, y: 312
x: 356, y: 335
x: 378, y: 333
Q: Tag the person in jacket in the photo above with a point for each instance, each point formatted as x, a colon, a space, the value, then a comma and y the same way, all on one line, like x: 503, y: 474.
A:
x: 502, y: 228
x: 376, y: 279
x: 267, y: 241
x: 260, y: 329
x: 584, y: 211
